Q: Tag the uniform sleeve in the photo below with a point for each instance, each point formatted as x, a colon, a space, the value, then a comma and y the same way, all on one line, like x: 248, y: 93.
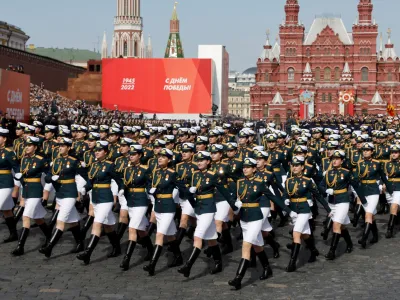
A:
x: 116, y: 177
x: 382, y: 174
x: 12, y: 159
x: 225, y: 192
x: 274, y: 198
x: 357, y: 187
x: 285, y: 163
x: 314, y: 191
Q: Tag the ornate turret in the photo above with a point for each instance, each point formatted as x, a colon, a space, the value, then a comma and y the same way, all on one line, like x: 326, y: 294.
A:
x: 347, y: 77
x: 174, y: 46
x: 307, y: 75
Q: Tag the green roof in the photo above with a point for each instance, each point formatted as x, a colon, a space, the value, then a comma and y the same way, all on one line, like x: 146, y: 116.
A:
x: 66, y: 54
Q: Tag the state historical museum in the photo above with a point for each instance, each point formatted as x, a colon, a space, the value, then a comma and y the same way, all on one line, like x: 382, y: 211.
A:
x: 327, y: 70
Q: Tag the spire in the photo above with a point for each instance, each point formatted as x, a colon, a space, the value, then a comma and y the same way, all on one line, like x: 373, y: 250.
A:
x: 292, y: 9
x: 104, y: 47
x: 365, y: 8
x: 267, y: 51
x: 381, y: 44
x: 347, y: 77
x: 307, y: 74
x: 113, y: 50
x: 142, y: 47
x: 149, y: 48
x: 174, y: 47
x: 389, y: 52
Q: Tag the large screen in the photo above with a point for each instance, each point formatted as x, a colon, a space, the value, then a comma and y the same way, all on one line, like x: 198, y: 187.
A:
x: 15, y: 94
x: 173, y: 86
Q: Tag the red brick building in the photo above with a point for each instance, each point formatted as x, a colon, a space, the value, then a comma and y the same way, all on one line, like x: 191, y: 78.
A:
x: 326, y: 62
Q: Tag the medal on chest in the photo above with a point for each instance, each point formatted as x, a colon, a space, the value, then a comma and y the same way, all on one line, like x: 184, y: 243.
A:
x: 140, y: 172
x: 276, y: 156
x: 304, y: 184
x: 167, y: 177
x: 104, y: 169
x: 34, y: 165
x: 207, y: 180
x: 3, y: 155
x: 68, y: 164
x: 255, y: 188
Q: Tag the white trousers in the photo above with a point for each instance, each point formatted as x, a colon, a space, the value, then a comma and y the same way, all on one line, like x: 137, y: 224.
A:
x: 67, y: 210
x: 34, y: 209
x: 266, y: 226
x: 340, y: 213
x: 138, y: 218
x: 165, y: 223
x: 103, y: 213
x: 252, y: 232
x: 6, y: 201
x: 206, y: 229
x: 395, y: 199
x: 222, y: 213
x: 301, y: 223
x: 370, y: 207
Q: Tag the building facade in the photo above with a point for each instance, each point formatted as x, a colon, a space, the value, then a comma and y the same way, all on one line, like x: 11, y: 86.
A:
x: 327, y: 69
x: 239, y: 103
x: 12, y: 36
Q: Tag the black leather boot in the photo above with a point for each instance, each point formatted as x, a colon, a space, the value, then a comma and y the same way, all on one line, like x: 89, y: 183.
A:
x: 18, y: 214
x: 253, y: 258
x: 327, y: 229
x: 190, y: 232
x: 47, y: 233
x: 127, y: 258
x: 177, y: 259
x: 185, y: 270
x: 85, y: 256
x: 53, y: 241
x: 357, y: 215
x: 21, y: 242
x: 86, y: 226
x: 227, y: 247
x: 149, y: 246
x: 53, y: 220
x: 389, y: 232
x: 150, y: 268
x: 364, y: 238
x: 241, y: 271
x: 310, y: 242
x: 12, y: 228
x: 332, y: 251
x: 76, y: 232
x: 282, y: 217
x: 346, y: 236
x: 274, y: 245
x: 180, y: 235
x: 267, y: 272
x: 121, y: 230
x: 293, y: 258
x: 114, y: 241
x: 375, y: 235
x: 150, y: 230
x: 311, y: 223
x: 216, y: 253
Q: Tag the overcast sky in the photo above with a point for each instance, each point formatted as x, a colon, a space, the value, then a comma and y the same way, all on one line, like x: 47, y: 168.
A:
x: 239, y: 25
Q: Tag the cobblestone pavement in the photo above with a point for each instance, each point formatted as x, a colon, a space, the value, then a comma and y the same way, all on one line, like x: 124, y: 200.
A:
x: 364, y: 274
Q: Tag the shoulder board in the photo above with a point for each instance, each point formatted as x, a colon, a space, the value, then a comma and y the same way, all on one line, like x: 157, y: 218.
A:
x: 108, y: 161
x: 179, y: 164
x: 278, y: 150
x: 238, y: 159
x: 240, y: 180
x: 307, y: 179
x: 171, y: 170
x: 224, y: 163
x: 345, y: 169
x: 144, y: 167
x: 38, y: 156
x: 377, y: 161
x: 197, y: 171
x: 225, y: 159
x: 325, y: 158
x: 211, y: 173
x: 308, y: 165
x: 258, y: 180
x: 71, y: 158
x: 9, y: 149
x: 250, y: 149
x: 312, y: 148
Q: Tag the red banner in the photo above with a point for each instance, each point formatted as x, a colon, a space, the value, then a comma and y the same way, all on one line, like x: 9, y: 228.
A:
x: 15, y: 94
x: 174, y: 86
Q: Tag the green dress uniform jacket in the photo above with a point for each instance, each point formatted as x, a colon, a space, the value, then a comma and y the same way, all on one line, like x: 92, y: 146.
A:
x: 203, y: 200
x: 229, y: 138
x: 20, y: 150
x: 392, y: 171
x: 8, y: 162
x: 355, y: 157
x: 31, y: 169
x: 121, y: 163
x: 250, y: 191
x: 270, y: 180
x: 235, y: 172
x: 222, y: 170
x: 276, y: 158
x: 78, y: 150
x: 185, y: 172
x: 136, y: 179
x: 100, y: 175
x: 298, y: 190
x: 382, y: 152
x: 368, y: 173
x: 16, y: 142
x: 113, y: 152
x: 244, y: 152
x: 147, y: 155
x: 66, y: 168
x: 165, y: 181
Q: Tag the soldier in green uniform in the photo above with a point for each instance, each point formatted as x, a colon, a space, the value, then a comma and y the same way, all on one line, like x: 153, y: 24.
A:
x: 100, y: 175
x: 170, y: 144
x: 298, y: 191
x: 369, y: 172
x: 276, y: 158
x: 62, y: 176
x: 201, y: 143
x: 201, y: 196
x: 243, y: 149
x: 143, y: 140
x: 249, y: 192
x: 104, y: 132
x: 228, y: 136
x: 136, y: 178
x: 8, y: 163
x: 31, y: 169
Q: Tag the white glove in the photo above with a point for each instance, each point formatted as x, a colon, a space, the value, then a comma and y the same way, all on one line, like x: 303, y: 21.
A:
x: 310, y: 203
x: 83, y: 192
x: 330, y: 215
x: 51, y: 164
x: 324, y: 173
x: 83, y: 164
x: 329, y: 192
x: 152, y: 191
x: 293, y: 215
x: 380, y: 188
x: 287, y: 202
x: 151, y: 197
x: 321, y: 150
x: 55, y: 177
x: 121, y: 193
x: 236, y: 212
x: 18, y: 176
x: 193, y: 190
x: 238, y: 204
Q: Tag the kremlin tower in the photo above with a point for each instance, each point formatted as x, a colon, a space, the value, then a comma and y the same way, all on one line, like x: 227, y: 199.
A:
x: 174, y: 46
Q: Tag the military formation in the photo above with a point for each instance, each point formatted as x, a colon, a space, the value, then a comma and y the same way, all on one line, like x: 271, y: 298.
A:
x: 162, y: 184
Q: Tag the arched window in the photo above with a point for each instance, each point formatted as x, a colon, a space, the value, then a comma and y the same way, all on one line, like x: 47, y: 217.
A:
x: 135, y: 50
x: 126, y: 7
x: 390, y: 76
x: 327, y: 74
x: 364, y: 74
x: 323, y: 97
x: 317, y: 74
x: 125, y: 49
x: 308, y: 52
x: 290, y: 74
x: 337, y: 74
x: 329, y: 97
x: 337, y: 51
x: 265, y: 111
x: 347, y: 52
x: 267, y: 77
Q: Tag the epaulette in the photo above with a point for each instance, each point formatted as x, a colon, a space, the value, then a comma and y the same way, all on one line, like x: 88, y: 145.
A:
x: 278, y: 150
x: 9, y: 149
x: 307, y: 179
x: 171, y: 170
x: 225, y: 159
x: 377, y: 161
x: 72, y: 158
x: 38, y: 156
x: 144, y: 167
x: 238, y: 159
x: 242, y: 179
x: 345, y: 169
x: 109, y: 161
x: 180, y: 163
x: 224, y: 163
x: 258, y: 180
x: 211, y: 172
x: 308, y: 165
